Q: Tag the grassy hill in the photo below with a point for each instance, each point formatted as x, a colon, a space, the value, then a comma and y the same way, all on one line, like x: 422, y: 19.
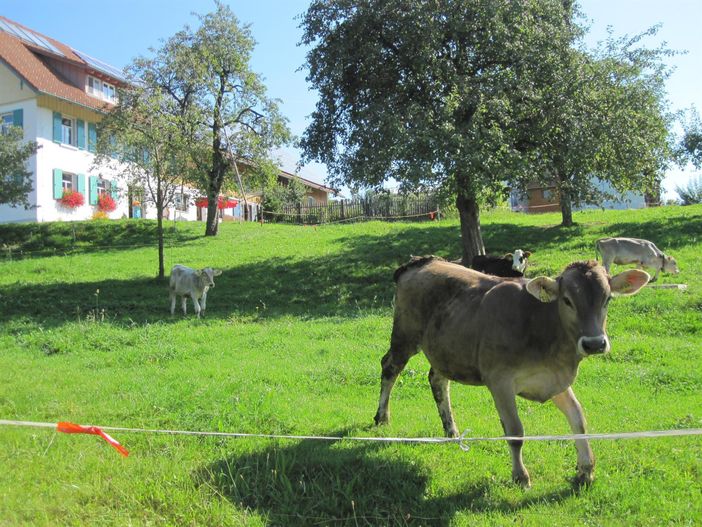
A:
x: 291, y: 344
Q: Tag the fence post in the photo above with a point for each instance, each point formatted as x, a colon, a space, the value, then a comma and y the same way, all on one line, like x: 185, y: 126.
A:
x: 299, y: 213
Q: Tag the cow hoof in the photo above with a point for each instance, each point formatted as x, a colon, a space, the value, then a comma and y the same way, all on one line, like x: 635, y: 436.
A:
x: 522, y: 480
x: 381, y: 419
x: 583, y: 479
x: 452, y: 433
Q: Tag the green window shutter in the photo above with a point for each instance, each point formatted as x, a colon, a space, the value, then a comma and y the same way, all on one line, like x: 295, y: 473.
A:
x: 18, y: 118
x: 81, y: 183
x: 58, y: 183
x: 81, y: 134
x: 114, y: 190
x: 93, y: 192
x: 92, y: 137
x: 57, y: 127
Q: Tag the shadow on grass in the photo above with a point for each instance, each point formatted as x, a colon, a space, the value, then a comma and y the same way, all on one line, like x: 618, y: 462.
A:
x: 22, y: 240
x: 357, y: 277
x: 315, y: 482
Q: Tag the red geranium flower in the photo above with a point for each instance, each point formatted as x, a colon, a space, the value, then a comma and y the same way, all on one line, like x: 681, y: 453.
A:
x: 106, y: 203
x: 72, y: 199
x: 222, y: 203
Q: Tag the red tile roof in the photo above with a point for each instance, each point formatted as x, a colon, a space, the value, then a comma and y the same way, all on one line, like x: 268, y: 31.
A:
x: 34, y: 65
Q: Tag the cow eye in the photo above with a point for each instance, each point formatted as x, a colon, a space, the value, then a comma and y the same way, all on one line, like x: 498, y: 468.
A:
x: 568, y: 302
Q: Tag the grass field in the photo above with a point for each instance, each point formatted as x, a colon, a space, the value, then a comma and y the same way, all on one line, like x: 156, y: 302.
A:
x: 291, y: 344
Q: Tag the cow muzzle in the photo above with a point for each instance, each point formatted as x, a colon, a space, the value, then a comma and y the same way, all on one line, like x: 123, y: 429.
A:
x: 593, y: 345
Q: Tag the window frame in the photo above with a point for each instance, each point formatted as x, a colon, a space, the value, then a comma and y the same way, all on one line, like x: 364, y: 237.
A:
x: 181, y: 201
x: 101, y: 89
x: 5, y: 126
x: 71, y: 130
x: 106, y: 187
x: 73, y: 183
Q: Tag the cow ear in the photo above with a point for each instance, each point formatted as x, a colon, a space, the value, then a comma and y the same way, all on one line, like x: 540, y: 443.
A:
x: 198, y: 272
x: 543, y: 288
x: 217, y: 272
x: 509, y: 256
x: 527, y: 253
x: 629, y: 282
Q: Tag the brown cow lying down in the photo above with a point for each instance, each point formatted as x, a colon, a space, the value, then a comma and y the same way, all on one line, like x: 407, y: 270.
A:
x: 515, y: 336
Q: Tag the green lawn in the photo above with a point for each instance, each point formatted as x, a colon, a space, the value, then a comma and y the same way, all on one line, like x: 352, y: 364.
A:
x: 291, y: 344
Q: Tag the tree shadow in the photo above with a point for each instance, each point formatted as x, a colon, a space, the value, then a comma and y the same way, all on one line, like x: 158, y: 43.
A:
x: 357, y: 277
x: 25, y: 240
x: 320, y: 482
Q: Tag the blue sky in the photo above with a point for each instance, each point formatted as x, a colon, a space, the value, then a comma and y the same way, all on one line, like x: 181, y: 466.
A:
x: 128, y: 28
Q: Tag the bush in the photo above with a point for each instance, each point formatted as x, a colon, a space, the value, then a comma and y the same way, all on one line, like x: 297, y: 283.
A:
x: 691, y: 193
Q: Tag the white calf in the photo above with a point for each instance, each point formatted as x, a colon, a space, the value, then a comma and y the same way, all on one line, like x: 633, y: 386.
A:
x: 191, y: 282
x: 635, y: 251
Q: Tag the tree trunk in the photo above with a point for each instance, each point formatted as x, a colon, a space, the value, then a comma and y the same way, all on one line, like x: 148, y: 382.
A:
x: 471, y: 239
x: 159, y: 229
x: 212, y: 225
x: 566, y: 209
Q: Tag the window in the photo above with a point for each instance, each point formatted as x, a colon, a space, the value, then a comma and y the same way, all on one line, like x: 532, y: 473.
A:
x: 311, y: 201
x: 101, y: 89
x: 181, y: 202
x: 69, y: 182
x: 6, y: 121
x: 547, y: 194
x: 103, y: 187
x: 67, y: 130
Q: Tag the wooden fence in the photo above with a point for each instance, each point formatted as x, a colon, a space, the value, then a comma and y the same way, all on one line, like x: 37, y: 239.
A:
x: 384, y: 207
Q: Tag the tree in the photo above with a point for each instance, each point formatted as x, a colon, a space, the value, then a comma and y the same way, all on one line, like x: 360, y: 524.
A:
x: 605, y: 121
x: 432, y: 94
x: 690, y: 147
x: 142, y: 138
x: 15, y: 179
x: 225, y: 107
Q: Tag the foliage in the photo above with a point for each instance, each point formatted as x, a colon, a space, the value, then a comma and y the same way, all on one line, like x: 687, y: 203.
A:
x: 106, y: 203
x: 605, y: 121
x: 72, y: 199
x: 451, y: 110
x: 15, y: 179
x: 690, y: 147
x: 100, y: 215
x: 291, y: 344
x: 225, y: 110
x: 691, y: 194
x: 280, y: 195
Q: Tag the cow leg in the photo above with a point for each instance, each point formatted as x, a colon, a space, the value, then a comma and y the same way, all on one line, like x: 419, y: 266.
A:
x: 440, y: 390
x: 569, y: 405
x: 606, y: 263
x: 203, y: 303
x: 393, y: 362
x: 655, y: 277
x: 184, y: 302
x: 172, y: 296
x: 196, y: 304
x: 507, y: 409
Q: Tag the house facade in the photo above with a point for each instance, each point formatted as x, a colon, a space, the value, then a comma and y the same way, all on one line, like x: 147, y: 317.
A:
x: 544, y: 198
x: 57, y: 95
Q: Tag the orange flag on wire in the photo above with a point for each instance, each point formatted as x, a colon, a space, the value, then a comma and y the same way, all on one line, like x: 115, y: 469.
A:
x: 71, y: 428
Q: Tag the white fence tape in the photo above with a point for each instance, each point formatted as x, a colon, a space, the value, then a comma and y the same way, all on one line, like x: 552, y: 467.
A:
x: 463, y: 441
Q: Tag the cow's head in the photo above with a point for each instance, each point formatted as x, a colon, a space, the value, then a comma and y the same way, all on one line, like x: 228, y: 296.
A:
x: 207, y: 275
x: 519, y: 260
x: 583, y: 291
x: 670, y: 265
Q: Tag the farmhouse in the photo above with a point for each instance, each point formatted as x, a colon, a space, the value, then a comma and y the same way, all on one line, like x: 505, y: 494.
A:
x: 58, y: 95
x: 544, y: 198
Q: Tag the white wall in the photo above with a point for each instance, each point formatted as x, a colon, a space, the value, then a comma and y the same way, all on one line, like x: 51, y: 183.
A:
x: 69, y: 159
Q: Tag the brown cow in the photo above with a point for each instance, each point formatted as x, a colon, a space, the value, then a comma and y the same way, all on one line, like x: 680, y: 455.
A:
x: 515, y: 336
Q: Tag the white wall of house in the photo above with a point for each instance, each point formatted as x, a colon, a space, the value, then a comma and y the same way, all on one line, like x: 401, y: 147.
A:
x: 69, y: 159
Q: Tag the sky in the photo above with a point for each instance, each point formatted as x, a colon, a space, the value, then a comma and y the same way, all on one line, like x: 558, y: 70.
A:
x: 123, y: 30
